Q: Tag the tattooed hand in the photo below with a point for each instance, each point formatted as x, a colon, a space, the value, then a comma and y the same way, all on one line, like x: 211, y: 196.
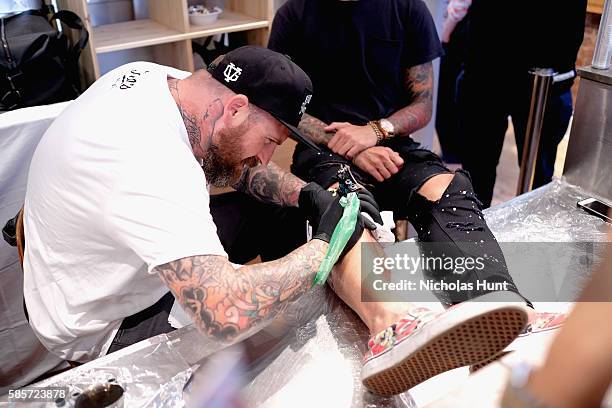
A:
x: 228, y: 304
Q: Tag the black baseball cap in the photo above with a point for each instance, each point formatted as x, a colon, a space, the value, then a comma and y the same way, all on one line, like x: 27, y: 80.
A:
x: 271, y: 81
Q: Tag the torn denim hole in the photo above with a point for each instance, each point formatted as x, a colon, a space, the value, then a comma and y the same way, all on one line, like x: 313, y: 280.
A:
x: 463, y: 195
x: 465, y: 226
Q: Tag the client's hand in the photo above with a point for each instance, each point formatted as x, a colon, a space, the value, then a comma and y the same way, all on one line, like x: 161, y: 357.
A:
x: 379, y: 162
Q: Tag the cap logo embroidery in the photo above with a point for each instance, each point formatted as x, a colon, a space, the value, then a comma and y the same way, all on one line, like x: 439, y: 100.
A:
x: 232, y: 72
x: 305, y: 104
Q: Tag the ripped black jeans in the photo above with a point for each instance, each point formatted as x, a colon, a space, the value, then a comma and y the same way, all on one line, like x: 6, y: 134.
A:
x: 454, y: 223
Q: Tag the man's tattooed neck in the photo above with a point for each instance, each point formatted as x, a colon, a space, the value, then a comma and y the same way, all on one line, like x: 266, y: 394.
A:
x: 198, y: 127
x: 190, y: 120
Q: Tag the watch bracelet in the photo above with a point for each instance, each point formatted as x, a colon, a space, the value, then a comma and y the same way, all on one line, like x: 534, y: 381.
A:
x: 380, y: 136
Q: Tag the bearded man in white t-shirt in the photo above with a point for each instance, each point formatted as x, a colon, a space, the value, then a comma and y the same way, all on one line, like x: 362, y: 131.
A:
x: 117, y: 198
x: 119, y: 222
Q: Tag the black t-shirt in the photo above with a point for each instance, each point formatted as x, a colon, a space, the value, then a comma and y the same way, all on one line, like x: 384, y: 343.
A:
x: 356, y: 52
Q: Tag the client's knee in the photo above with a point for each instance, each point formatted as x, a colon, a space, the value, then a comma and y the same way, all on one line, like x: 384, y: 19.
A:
x: 434, y: 188
x: 441, y: 195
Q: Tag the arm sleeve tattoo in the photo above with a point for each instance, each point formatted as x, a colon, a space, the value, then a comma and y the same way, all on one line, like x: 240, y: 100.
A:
x: 229, y: 304
x: 271, y: 184
x: 419, y: 82
x: 313, y: 128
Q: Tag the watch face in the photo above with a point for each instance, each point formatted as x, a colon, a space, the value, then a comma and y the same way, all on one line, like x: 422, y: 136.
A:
x: 387, y: 126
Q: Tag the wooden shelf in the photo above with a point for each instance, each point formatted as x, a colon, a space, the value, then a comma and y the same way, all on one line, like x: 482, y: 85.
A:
x: 166, y: 34
x: 144, y: 33
x: 132, y: 34
x: 229, y: 21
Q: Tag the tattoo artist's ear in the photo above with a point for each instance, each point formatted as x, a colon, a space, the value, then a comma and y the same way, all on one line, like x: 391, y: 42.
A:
x: 237, y: 109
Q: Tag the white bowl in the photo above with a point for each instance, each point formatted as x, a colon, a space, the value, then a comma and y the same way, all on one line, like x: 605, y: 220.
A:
x: 203, y: 19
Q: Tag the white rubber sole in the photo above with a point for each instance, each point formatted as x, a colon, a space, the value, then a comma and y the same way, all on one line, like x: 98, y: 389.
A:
x: 469, y: 334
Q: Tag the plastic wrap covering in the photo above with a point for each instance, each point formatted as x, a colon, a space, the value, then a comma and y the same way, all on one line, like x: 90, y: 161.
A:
x: 151, y: 373
x: 317, y: 362
x: 311, y: 355
x: 555, y: 269
x: 548, y: 214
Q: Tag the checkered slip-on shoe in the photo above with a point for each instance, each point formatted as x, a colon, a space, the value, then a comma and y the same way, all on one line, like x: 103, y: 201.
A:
x: 538, y: 322
x: 424, y: 344
x: 543, y: 321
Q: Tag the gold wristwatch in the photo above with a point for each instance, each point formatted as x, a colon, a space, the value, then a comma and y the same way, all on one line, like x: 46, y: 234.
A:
x: 386, y: 127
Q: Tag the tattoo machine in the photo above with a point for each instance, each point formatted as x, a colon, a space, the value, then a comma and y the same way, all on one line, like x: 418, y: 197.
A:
x: 345, y: 227
x: 346, y: 181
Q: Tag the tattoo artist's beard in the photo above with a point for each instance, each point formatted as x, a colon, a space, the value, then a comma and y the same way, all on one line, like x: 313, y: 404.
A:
x: 222, y: 164
x: 218, y: 170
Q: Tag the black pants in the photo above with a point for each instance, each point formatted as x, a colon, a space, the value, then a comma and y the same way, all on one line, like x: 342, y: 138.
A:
x: 247, y: 229
x: 449, y: 88
x: 486, y: 104
x: 454, y: 223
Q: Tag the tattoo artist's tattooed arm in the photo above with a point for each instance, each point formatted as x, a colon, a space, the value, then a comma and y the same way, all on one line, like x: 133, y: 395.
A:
x: 228, y: 304
x: 419, y: 82
x: 313, y: 128
x: 271, y: 184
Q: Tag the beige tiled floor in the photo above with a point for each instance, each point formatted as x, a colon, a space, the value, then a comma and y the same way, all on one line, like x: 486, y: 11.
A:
x: 508, y: 170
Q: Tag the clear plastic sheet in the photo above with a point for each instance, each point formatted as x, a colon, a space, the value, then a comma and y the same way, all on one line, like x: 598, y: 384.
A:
x: 311, y: 355
x: 548, y: 214
x: 152, y: 374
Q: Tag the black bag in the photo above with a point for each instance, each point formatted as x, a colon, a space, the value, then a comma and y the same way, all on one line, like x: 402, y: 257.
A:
x: 37, y: 64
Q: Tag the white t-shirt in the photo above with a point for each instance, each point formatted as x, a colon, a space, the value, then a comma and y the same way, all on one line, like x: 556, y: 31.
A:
x: 113, y: 191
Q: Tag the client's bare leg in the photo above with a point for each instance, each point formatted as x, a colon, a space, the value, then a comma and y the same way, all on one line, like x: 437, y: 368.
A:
x: 347, y: 276
x: 346, y: 279
x: 411, y: 343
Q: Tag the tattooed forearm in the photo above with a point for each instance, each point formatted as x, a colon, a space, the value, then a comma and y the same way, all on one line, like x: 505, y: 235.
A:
x: 227, y: 303
x: 419, y: 82
x: 313, y: 128
x: 271, y: 184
